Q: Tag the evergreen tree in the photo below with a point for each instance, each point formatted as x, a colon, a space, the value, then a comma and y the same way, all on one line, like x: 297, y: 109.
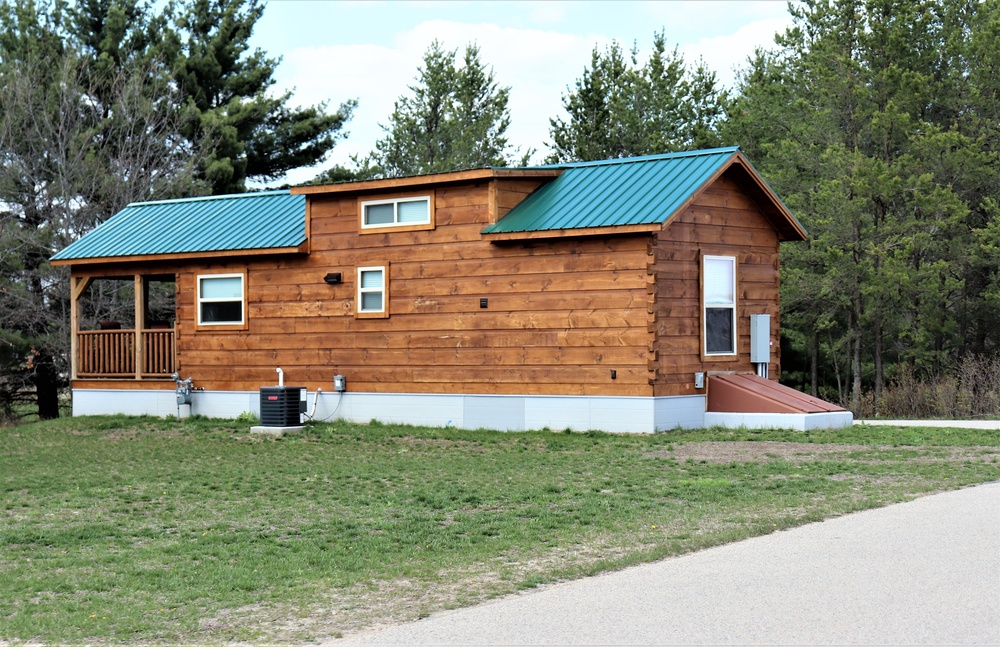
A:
x: 108, y: 102
x: 115, y: 34
x: 243, y: 130
x: 869, y: 120
x: 480, y: 116
x: 455, y: 117
x: 247, y: 133
x: 78, y: 143
x: 620, y: 108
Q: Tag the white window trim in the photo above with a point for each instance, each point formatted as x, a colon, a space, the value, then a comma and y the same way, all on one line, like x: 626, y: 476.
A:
x: 705, y: 306
x: 243, y: 299
x: 395, y: 212
x: 381, y: 289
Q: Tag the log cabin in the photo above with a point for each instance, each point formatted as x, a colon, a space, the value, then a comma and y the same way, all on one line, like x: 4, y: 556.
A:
x: 626, y: 295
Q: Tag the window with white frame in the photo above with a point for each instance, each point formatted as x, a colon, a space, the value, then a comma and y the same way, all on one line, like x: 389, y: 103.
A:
x: 220, y: 299
x: 719, y: 303
x: 397, y: 212
x: 372, y: 293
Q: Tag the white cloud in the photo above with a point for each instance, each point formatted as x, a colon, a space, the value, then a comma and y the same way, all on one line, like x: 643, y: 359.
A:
x: 538, y: 64
x: 725, y: 53
x: 720, y: 17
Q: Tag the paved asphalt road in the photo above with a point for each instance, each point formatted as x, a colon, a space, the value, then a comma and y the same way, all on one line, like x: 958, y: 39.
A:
x: 917, y: 573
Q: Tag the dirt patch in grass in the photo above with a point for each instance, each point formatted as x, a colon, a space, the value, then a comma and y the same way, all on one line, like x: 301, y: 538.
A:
x: 130, y: 432
x: 441, y: 443
x: 798, y: 453
x: 756, y: 451
x: 135, y: 433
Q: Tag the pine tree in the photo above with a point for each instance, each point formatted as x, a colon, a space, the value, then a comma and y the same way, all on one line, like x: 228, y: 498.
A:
x: 247, y: 132
x: 619, y: 108
x: 455, y: 117
x: 79, y: 142
x: 107, y: 102
x: 480, y: 115
x: 868, y: 121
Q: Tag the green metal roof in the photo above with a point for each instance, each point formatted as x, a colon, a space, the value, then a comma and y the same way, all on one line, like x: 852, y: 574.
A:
x: 611, y: 193
x: 249, y: 221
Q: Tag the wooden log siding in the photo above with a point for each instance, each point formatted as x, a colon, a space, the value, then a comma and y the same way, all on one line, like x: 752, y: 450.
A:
x: 562, y: 314
x: 676, y: 318
x: 508, y: 195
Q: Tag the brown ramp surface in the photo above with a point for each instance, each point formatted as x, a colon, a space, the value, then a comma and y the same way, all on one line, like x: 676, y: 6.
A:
x: 753, y: 394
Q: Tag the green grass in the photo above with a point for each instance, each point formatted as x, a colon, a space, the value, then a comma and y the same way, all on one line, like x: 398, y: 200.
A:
x: 116, y: 529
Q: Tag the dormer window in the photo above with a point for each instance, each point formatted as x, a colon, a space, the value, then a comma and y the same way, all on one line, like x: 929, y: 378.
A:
x: 396, y: 212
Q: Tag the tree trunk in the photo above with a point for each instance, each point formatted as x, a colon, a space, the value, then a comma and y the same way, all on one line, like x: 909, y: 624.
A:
x: 857, y: 334
x: 814, y: 366
x: 878, y: 357
x: 46, y: 382
x: 856, y: 370
x: 841, y: 396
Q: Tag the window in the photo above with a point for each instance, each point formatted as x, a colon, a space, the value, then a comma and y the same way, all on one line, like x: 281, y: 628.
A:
x: 719, y: 303
x: 373, y: 294
x: 220, y: 300
x: 397, y: 212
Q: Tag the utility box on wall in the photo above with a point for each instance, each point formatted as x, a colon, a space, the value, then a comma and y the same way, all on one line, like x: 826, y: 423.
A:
x: 760, y: 339
x: 282, y: 406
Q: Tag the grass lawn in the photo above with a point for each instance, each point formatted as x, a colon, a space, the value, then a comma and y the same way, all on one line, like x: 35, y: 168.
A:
x: 116, y: 529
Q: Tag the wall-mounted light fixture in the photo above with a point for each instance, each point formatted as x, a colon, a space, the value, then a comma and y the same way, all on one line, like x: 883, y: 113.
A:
x: 332, y: 278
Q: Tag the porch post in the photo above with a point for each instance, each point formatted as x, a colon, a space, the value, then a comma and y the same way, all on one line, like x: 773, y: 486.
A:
x: 77, y: 284
x: 140, y: 323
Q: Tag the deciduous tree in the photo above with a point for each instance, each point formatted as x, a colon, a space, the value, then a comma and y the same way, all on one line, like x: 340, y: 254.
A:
x: 108, y: 102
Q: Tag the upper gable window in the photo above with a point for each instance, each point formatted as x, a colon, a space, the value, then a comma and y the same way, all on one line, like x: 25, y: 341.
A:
x: 397, y: 212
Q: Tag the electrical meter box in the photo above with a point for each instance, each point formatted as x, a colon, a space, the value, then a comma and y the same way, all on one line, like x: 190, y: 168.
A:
x: 760, y: 339
x: 282, y: 406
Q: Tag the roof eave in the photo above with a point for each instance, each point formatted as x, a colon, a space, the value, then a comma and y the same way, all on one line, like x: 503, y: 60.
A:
x: 614, y: 230
x: 302, y: 248
x: 424, y: 180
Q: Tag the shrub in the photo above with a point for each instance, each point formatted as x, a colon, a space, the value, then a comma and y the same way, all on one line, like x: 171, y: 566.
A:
x: 971, y: 390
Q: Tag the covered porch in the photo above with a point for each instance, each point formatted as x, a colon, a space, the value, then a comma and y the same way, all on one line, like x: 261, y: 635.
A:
x: 125, y: 332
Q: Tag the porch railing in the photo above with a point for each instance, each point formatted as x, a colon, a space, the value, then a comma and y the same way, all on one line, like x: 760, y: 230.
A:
x: 112, y: 353
x: 157, y: 353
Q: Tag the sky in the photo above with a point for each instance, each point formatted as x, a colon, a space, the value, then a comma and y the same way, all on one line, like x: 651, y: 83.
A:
x: 370, y: 51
